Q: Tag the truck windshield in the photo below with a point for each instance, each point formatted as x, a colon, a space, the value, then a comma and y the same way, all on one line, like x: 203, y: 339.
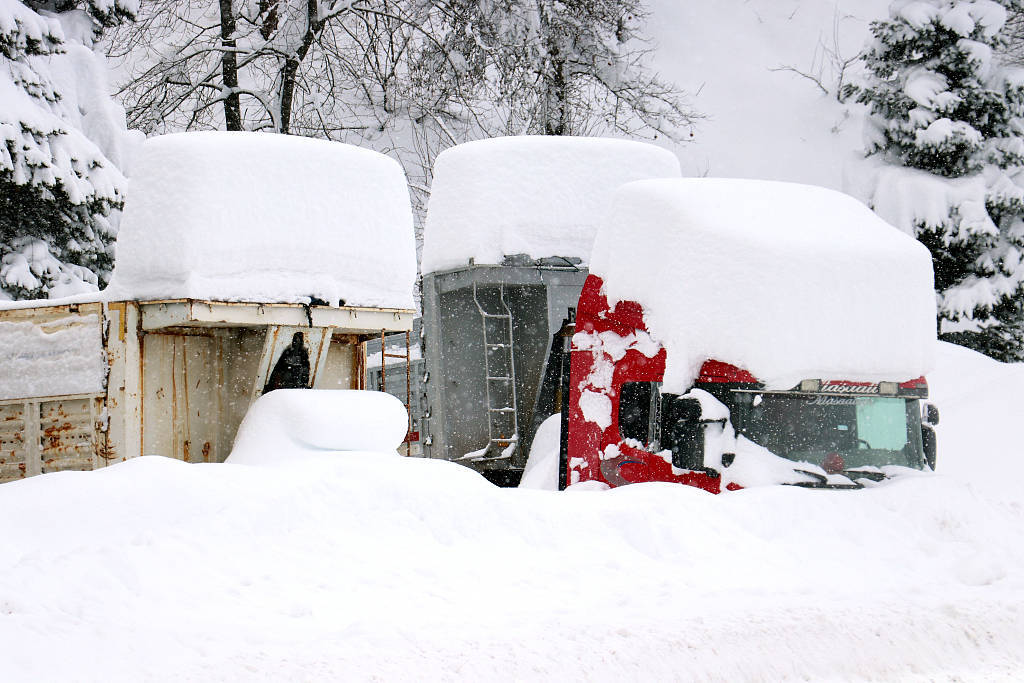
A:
x: 865, y: 431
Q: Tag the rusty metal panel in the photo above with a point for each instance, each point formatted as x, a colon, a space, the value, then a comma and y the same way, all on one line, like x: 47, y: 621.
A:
x: 123, y: 439
x: 67, y: 428
x: 159, y: 375
x: 201, y: 380
x: 341, y: 365
x: 50, y: 434
x: 196, y: 390
x: 240, y: 360
x: 13, y: 453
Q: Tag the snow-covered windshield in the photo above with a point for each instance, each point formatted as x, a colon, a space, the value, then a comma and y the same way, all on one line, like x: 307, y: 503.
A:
x: 864, y: 431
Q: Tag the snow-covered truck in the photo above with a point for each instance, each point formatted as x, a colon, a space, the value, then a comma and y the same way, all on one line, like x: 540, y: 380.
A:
x: 734, y: 333
x: 507, y: 240
x: 243, y: 262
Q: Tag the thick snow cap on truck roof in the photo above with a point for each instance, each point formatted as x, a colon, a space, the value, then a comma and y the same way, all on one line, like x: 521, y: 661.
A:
x: 265, y: 218
x: 787, y: 281
x: 537, y: 195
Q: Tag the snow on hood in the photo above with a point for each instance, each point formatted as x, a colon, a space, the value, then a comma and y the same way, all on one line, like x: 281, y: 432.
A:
x: 787, y: 281
x: 268, y: 218
x: 537, y: 195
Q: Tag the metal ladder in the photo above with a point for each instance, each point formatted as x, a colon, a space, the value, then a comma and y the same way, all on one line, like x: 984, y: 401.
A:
x: 500, y: 373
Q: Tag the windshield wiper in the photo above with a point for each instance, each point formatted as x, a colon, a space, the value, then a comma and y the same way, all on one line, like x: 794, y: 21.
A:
x: 821, y: 482
x: 864, y: 474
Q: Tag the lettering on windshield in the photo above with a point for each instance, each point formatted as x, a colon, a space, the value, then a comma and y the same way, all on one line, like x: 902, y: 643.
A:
x: 831, y: 401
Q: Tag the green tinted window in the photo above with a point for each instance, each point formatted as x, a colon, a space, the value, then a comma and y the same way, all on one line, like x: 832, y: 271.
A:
x: 882, y: 423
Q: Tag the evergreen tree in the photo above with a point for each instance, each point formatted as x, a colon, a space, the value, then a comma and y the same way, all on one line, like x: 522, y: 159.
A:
x: 57, y: 188
x: 941, y: 103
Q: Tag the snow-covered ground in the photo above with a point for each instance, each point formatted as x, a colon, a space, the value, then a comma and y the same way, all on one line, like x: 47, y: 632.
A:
x: 363, y: 566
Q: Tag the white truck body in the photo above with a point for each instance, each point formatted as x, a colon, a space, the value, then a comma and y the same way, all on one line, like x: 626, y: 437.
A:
x: 171, y: 378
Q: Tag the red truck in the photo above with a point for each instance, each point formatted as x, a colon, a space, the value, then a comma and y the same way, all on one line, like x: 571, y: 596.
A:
x: 837, y: 433
x: 862, y: 332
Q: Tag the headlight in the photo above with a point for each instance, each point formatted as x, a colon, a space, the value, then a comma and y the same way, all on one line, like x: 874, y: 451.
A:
x: 810, y: 385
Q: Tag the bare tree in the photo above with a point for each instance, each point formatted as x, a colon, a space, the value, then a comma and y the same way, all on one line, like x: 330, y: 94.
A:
x: 242, y: 65
x: 556, y: 68
x: 464, y: 68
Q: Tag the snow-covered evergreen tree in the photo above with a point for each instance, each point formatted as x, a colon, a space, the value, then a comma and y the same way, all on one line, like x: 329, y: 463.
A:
x: 943, y: 104
x: 59, y: 130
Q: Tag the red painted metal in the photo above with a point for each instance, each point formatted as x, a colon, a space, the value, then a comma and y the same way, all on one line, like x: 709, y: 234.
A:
x: 601, y: 454
x: 715, y: 371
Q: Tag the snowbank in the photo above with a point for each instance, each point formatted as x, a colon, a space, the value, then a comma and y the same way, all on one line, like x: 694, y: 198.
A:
x: 288, y: 420
x: 537, y: 195
x: 264, y: 217
x: 787, y: 281
x: 354, y: 566
x: 979, y: 430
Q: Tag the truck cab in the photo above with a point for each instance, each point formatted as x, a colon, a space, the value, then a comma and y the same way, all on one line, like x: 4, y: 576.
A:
x: 729, y: 430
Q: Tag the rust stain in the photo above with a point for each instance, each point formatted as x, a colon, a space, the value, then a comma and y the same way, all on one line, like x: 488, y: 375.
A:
x: 121, y: 308
x: 188, y: 448
x: 106, y: 451
x: 55, y: 430
x: 174, y: 395
x: 206, y: 451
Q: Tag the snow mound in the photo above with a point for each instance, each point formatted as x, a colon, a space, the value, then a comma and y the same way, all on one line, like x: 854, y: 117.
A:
x: 537, y: 195
x: 264, y: 217
x: 978, y: 433
x: 787, y: 281
x: 285, y: 421
x: 354, y: 566
x: 541, y: 471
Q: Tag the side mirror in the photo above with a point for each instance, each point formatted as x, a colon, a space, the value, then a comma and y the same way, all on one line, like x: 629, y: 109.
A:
x: 687, y: 409
x: 930, y: 445
x: 931, y: 414
x: 685, y: 435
